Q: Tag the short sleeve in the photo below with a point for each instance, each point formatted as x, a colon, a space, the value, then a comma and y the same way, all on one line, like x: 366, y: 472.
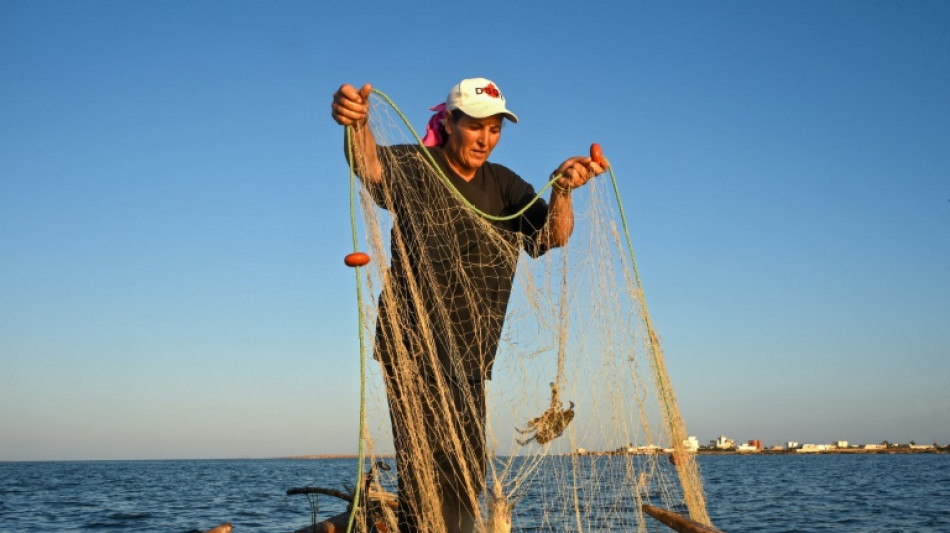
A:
x: 532, y: 221
x: 396, y: 162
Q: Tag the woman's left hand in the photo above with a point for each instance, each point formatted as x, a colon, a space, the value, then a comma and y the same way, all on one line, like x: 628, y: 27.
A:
x: 577, y: 171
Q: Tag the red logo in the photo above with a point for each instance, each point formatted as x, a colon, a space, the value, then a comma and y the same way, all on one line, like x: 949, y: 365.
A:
x: 490, y: 90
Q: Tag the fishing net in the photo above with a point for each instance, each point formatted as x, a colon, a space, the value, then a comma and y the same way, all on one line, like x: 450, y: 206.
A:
x: 575, y: 428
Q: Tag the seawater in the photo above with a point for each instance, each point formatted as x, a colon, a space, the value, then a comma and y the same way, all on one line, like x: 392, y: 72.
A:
x: 835, y: 492
x: 783, y: 493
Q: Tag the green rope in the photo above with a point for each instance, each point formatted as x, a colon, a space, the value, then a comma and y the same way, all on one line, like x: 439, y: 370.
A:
x: 359, y: 305
x: 458, y: 194
x: 445, y: 178
x: 623, y: 219
x: 647, y: 321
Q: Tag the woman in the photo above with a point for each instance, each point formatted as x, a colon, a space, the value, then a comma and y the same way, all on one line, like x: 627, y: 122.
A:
x: 443, y: 305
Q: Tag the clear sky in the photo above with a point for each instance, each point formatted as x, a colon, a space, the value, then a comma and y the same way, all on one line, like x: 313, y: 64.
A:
x: 174, y: 207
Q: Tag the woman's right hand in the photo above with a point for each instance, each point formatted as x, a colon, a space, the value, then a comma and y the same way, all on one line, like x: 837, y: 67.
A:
x: 351, y: 106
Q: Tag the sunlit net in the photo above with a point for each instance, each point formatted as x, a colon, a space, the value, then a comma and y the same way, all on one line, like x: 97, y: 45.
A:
x: 576, y: 320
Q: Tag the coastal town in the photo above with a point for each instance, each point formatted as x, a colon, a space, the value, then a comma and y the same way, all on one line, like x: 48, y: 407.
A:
x: 725, y: 445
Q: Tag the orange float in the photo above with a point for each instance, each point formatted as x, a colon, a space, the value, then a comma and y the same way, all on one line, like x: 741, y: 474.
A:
x: 597, y: 154
x: 356, y: 259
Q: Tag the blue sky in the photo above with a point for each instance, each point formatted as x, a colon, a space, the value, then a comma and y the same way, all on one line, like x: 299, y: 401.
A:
x: 174, y: 207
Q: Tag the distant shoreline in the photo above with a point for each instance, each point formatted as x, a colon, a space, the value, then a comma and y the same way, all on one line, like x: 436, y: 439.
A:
x: 316, y: 457
x: 843, y: 451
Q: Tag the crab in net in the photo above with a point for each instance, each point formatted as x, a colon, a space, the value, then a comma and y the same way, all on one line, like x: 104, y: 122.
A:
x: 551, y: 424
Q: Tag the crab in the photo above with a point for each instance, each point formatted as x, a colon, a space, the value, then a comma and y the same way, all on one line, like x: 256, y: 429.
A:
x: 551, y: 424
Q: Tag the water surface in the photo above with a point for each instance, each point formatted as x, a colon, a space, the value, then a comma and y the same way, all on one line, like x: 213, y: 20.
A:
x: 784, y: 493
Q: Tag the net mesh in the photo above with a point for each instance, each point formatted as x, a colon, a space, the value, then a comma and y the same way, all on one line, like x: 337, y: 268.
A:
x: 570, y: 431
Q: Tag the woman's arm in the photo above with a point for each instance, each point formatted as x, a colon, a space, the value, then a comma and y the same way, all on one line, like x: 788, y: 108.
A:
x: 351, y: 108
x: 575, y: 172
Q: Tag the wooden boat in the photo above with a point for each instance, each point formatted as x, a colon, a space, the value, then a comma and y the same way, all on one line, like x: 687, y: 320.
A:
x: 378, y: 510
x: 381, y: 502
x: 674, y: 521
x: 678, y: 522
x: 336, y: 524
x: 377, y: 507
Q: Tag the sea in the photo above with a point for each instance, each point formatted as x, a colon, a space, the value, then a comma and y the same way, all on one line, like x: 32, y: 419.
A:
x: 745, y: 493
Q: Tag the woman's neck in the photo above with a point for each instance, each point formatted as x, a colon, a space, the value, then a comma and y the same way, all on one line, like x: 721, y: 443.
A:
x: 467, y: 174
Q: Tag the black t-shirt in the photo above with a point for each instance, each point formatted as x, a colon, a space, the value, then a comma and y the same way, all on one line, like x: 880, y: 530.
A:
x: 459, y: 267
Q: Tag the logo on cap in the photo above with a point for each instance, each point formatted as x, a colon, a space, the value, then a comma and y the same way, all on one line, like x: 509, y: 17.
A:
x: 489, y: 90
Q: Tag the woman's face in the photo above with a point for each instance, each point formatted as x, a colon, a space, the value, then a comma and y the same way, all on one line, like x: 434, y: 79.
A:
x: 471, y: 141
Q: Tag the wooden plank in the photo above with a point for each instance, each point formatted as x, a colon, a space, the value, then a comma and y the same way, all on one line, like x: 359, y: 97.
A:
x: 336, y: 524
x: 678, y: 522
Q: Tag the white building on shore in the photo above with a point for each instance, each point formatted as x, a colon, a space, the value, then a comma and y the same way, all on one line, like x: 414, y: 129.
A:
x: 814, y: 448
x: 691, y: 444
x: 722, y: 443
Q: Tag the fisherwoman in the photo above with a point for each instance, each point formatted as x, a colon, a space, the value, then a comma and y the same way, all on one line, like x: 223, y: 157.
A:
x: 431, y: 334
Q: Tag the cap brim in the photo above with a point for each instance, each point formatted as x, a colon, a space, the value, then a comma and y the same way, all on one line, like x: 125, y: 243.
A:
x: 477, y: 111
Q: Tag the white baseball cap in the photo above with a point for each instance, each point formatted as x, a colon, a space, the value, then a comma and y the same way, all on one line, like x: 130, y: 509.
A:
x: 478, y: 98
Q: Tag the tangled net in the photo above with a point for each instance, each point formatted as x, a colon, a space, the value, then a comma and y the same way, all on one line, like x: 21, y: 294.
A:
x: 576, y: 332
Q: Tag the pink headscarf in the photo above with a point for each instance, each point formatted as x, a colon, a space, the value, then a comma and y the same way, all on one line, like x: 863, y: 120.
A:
x: 433, y: 135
